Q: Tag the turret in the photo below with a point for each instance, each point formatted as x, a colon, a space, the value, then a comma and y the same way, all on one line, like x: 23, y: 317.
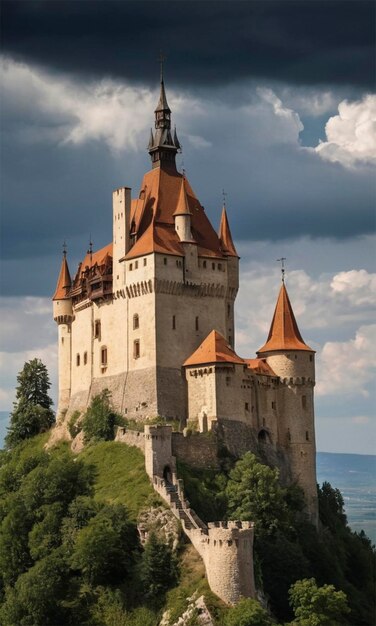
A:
x: 183, y: 216
x: 229, y: 251
x: 163, y: 146
x: 294, y: 362
x: 63, y: 315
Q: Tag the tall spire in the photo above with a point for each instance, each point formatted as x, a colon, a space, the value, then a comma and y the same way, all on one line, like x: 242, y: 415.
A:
x: 64, y: 281
x: 162, y: 145
x: 284, y: 332
x: 224, y: 235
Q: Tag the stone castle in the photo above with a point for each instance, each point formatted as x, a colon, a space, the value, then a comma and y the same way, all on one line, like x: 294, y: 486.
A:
x: 151, y: 318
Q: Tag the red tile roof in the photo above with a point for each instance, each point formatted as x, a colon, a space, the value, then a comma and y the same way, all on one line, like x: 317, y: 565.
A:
x: 214, y: 349
x: 284, y: 332
x: 260, y: 366
x: 63, y: 282
x: 225, y: 236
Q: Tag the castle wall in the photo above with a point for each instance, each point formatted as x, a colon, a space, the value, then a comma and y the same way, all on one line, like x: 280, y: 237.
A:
x: 197, y: 450
x: 202, y: 399
x: 234, y: 394
x: 65, y: 354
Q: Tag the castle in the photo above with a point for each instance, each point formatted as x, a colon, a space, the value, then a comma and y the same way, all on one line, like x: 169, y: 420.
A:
x: 151, y: 318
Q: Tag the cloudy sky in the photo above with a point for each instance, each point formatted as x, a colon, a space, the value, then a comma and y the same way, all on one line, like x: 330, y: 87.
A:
x: 273, y: 101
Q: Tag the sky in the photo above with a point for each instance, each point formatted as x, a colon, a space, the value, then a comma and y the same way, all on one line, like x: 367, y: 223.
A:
x: 274, y: 102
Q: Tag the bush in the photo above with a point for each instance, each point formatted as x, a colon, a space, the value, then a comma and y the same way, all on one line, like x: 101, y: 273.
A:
x: 247, y: 613
x: 73, y: 428
x: 99, y: 420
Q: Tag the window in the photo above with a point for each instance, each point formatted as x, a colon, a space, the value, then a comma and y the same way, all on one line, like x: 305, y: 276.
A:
x: 97, y: 329
x: 219, y: 266
x: 306, y: 435
x: 62, y: 340
x: 213, y: 266
x: 78, y: 360
x: 304, y: 402
x: 228, y: 380
x: 273, y: 405
x: 164, y: 261
x: 136, y: 322
x: 135, y: 265
x: 228, y: 310
x: 296, y: 356
x: 311, y: 357
x: 103, y: 356
x: 85, y: 358
x: 173, y: 322
x: 145, y: 262
x: 130, y: 267
x: 204, y: 264
x: 246, y: 406
x: 136, y: 349
x: 196, y: 323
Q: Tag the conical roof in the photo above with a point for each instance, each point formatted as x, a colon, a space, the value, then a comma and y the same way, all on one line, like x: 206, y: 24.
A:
x: 214, y: 349
x: 162, y: 103
x: 284, y: 332
x: 63, y: 282
x: 182, y: 207
x: 225, y: 235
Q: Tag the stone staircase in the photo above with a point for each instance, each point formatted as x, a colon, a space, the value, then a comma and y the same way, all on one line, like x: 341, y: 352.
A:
x: 173, y: 495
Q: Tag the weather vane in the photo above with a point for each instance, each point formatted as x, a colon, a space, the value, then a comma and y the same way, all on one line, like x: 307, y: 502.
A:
x: 282, y: 262
x: 65, y: 248
x: 224, y: 196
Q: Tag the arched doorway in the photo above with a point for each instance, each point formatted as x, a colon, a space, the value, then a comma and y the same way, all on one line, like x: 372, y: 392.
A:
x: 263, y: 436
x: 167, y: 474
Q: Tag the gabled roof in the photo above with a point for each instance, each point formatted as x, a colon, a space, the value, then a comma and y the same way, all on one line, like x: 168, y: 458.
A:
x: 260, y: 366
x: 160, y: 197
x: 214, y: 349
x: 63, y: 282
x: 97, y: 258
x: 225, y: 236
x: 284, y: 332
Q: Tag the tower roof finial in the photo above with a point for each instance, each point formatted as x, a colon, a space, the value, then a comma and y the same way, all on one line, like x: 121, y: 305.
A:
x: 162, y: 58
x: 64, y: 248
x: 282, y: 262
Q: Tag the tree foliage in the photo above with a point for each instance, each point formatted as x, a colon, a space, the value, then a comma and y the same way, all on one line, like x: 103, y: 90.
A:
x: 32, y: 412
x: 159, y: 567
x: 248, y: 612
x: 317, y: 606
x: 99, y: 420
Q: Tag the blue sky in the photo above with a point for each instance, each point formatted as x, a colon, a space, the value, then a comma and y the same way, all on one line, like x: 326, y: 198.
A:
x: 270, y: 115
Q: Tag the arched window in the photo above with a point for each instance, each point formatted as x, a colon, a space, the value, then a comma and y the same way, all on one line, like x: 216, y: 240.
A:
x: 136, y: 321
x: 97, y: 329
x: 77, y: 360
x: 85, y: 358
x: 136, y: 349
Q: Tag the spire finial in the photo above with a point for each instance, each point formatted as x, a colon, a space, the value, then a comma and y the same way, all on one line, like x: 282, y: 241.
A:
x: 282, y: 262
x: 162, y: 58
x: 65, y: 248
x: 224, y: 196
x: 90, y: 250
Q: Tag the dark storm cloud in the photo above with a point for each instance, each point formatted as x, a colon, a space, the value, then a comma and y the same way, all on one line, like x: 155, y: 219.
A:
x: 206, y: 42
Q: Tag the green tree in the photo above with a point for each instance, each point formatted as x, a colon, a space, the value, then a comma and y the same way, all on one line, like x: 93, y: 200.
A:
x: 254, y: 493
x: 99, y: 420
x: 32, y: 412
x: 317, y: 606
x: 248, y: 612
x: 331, y: 507
x: 159, y: 567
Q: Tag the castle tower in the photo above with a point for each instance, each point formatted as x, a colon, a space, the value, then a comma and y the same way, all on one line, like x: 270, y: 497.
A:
x: 294, y: 362
x: 121, y: 206
x: 63, y: 316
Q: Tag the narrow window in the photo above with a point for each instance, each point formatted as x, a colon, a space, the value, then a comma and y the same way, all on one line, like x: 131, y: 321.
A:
x: 246, y: 406
x: 213, y: 266
x: 130, y: 267
x: 296, y: 356
x: 173, y: 322
x: 273, y: 405
x: 135, y: 265
x: 306, y: 435
x: 97, y: 329
x: 85, y: 358
x: 196, y: 323
x: 311, y: 357
x: 228, y: 310
x: 78, y: 360
x: 103, y: 356
x: 136, y: 322
x: 164, y: 261
x: 145, y: 262
x: 304, y: 402
x: 62, y: 340
x: 204, y: 264
x: 136, y: 349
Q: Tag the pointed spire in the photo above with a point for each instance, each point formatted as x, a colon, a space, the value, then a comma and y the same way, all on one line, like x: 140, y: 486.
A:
x: 151, y: 140
x: 182, y: 207
x: 163, y: 147
x: 177, y: 143
x: 284, y: 332
x: 64, y: 281
x: 224, y: 235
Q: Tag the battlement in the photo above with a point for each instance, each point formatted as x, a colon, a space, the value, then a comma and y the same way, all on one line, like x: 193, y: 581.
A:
x: 230, y: 525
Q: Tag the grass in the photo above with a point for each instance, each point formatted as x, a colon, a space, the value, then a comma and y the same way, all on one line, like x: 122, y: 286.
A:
x: 121, y: 475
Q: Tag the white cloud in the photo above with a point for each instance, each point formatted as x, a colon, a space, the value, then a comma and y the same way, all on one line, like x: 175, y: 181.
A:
x: 357, y: 286
x: 347, y: 367
x: 309, y: 100
x: 351, y: 135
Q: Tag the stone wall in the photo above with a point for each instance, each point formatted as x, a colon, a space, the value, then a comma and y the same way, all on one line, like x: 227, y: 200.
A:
x: 131, y: 438
x: 197, y: 450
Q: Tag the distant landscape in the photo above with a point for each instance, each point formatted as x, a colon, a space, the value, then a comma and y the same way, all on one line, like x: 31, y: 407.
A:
x: 353, y: 474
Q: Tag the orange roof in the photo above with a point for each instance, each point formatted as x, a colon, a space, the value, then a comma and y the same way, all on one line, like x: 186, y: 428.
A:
x: 160, y: 197
x: 260, y: 366
x: 284, y: 332
x: 225, y: 235
x: 97, y: 258
x: 182, y: 207
x: 63, y: 282
x: 214, y: 349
